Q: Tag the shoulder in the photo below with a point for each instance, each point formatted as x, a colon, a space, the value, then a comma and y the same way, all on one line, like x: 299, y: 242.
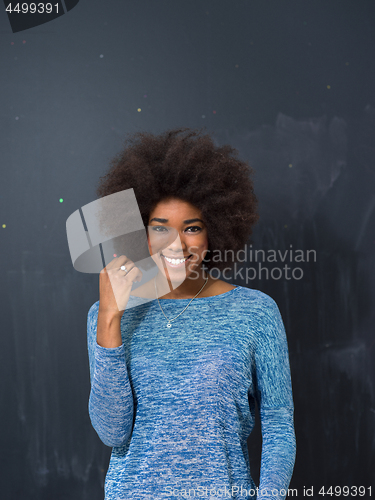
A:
x: 257, y: 298
x: 259, y: 308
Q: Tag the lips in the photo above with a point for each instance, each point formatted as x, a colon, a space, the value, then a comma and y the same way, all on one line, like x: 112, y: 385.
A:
x: 169, y: 260
x: 174, y: 257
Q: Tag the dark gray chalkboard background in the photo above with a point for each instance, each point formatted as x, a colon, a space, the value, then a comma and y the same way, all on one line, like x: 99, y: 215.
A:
x: 257, y: 75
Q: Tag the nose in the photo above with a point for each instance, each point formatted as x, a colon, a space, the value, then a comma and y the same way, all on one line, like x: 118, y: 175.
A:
x: 177, y: 247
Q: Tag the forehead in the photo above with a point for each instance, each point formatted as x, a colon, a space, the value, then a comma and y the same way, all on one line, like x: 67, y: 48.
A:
x: 175, y: 206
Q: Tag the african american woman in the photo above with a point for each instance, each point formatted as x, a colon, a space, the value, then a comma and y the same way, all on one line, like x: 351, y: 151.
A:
x: 175, y: 378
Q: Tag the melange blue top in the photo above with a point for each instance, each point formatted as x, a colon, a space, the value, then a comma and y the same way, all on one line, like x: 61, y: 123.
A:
x: 177, y: 404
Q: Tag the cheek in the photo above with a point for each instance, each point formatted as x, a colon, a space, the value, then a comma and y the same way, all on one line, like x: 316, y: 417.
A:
x: 200, y: 247
x: 153, y: 252
x: 204, y: 244
x: 204, y: 248
x: 153, y: 246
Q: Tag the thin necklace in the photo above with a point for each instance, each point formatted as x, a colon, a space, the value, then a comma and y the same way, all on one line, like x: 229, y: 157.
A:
x: 169, y: 324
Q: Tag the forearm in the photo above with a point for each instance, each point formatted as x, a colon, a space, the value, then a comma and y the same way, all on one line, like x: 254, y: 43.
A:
x: 278, y: 453
x: 108, y: 330
x: 111, y: 404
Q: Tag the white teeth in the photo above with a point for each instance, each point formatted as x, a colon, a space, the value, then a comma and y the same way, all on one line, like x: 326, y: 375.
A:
x: 175, y: 261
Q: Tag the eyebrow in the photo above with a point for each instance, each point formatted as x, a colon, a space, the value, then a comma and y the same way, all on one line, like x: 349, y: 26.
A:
x: 188, y: 221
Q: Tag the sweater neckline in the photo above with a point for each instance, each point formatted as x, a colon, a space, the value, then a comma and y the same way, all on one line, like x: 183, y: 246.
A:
x: 203, y: 299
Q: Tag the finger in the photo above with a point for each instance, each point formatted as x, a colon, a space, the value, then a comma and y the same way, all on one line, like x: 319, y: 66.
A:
x: 135, y: 274
x: 125, y: 269
x: 122, y: 260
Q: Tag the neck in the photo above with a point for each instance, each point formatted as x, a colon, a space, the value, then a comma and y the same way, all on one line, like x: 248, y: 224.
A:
x: 188, y: 288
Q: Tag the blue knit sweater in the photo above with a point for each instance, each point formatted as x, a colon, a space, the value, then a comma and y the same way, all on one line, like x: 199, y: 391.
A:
x: 177, y: 404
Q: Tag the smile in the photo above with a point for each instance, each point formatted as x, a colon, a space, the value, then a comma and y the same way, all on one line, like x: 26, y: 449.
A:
x: 176, y: 262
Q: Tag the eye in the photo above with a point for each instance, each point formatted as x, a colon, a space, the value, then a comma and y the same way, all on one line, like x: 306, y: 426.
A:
x: 159, y: 229
x: 196, y: 229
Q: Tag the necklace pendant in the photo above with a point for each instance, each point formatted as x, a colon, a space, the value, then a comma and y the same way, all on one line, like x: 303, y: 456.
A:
x: 169, y: 325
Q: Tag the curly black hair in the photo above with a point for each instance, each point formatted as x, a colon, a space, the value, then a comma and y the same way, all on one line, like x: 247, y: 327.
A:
x: 185, y: 164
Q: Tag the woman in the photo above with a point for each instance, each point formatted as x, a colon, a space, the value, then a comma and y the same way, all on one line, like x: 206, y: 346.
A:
x: 174, y: 380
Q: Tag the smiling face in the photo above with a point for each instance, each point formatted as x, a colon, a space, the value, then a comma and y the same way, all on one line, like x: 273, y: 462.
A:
x: 170, y: 218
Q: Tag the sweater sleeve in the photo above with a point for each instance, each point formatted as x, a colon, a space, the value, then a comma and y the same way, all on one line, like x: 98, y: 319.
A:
x: 111, y: 404
x: 275, y: 401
